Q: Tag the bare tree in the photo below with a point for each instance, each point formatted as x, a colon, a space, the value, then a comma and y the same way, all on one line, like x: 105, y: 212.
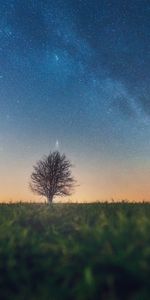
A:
x: 52, y: 176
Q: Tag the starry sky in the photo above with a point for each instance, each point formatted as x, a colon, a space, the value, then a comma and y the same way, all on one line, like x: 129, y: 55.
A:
x: 75, y: 76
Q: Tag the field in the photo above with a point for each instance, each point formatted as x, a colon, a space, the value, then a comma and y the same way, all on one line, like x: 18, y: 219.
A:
x: 75, y: 251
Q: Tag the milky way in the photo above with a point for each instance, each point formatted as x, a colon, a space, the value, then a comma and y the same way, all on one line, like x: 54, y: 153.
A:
x: 76, y: 74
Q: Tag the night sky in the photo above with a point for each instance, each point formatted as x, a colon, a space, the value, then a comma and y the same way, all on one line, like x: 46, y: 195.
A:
x: 75, y: 76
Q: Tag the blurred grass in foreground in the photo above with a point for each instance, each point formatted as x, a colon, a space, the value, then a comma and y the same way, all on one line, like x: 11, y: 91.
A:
x: 75, y: 251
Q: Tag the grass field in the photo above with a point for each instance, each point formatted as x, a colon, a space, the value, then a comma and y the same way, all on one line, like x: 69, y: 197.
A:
x: 75, y: 251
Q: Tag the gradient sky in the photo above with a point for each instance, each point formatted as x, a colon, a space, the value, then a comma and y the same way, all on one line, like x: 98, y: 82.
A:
x: 75, y: 75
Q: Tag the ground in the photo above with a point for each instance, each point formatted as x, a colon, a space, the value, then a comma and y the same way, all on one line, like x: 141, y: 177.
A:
x: 75, y: 251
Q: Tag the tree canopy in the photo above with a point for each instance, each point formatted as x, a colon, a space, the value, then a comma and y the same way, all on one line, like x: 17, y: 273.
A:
x: 52, y: 176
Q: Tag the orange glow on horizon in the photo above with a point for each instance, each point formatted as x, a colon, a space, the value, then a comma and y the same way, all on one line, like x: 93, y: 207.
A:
x: 95, y: 185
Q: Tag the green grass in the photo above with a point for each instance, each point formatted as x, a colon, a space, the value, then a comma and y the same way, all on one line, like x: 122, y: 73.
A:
x: 76, y: 251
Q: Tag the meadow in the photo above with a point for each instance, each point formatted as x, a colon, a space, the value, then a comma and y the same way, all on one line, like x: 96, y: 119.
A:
x: 75, y: 251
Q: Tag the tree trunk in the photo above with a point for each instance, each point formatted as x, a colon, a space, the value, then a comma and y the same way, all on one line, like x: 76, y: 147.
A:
x: 50, y: 199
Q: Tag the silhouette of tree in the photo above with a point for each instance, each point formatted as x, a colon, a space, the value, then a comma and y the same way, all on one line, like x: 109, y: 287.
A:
x: 52, y: 176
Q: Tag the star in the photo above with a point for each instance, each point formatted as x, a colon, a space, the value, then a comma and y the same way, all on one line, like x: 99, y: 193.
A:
x: 56, y: 57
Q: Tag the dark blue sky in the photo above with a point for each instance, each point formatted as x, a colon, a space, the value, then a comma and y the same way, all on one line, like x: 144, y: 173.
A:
x: 76, y: 74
